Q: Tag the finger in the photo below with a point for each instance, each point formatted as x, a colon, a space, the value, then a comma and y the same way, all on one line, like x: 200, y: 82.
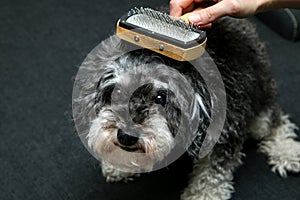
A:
x: 189, y: 8
x: 177, y: 6
x: 206, y: 26
x: 210, y: 14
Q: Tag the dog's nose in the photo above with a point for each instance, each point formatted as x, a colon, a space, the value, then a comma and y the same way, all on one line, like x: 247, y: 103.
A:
x: 125, y: 139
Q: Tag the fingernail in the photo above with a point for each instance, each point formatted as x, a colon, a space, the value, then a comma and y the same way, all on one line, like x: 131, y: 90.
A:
x: 195, y: 18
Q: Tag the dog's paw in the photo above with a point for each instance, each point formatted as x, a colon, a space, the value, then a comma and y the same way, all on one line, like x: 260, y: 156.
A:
x: 284, y: 155
x: 206, y: 191
x: 209, y: 184
x: 282, y: 149
x: 113, y: 175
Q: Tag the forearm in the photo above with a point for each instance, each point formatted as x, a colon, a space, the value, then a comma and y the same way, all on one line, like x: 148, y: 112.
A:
x: 265, y: 5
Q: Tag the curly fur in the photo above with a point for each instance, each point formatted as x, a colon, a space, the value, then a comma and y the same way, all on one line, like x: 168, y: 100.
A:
x: 252, y: 110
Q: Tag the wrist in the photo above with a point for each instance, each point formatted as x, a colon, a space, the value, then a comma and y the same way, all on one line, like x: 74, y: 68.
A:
x: 264, y: 5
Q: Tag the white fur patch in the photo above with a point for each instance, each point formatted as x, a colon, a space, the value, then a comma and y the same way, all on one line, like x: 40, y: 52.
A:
x: 261, y: 125
x: 113, y: 175
x: 208, y: 184
x: 281, y: 148
x: 199, y: 102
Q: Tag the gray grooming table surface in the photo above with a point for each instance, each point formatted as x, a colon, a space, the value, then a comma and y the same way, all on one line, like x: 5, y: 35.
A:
x: 42, y: 44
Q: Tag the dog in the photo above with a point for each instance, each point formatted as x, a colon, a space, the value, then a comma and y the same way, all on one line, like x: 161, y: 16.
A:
x: 125, y: 110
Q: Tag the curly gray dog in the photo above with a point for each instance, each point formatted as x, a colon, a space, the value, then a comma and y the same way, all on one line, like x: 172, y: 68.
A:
x: 252, y: 110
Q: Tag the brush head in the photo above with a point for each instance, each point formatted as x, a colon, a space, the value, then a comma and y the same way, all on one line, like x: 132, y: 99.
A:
x: 170, y: 35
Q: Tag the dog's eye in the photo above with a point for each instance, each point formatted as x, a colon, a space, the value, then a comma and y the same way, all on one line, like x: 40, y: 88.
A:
x: 160, y: 99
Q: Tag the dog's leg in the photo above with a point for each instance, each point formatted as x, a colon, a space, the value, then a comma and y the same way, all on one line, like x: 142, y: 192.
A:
x: 114, y: 175
x: 210, y: 180
x: 278, y: 141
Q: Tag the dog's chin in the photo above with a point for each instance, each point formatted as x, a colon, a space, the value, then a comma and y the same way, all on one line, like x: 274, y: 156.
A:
x: 129, y: 159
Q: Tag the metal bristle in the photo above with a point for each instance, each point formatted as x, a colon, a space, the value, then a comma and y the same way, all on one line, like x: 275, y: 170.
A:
x: 162, y: 23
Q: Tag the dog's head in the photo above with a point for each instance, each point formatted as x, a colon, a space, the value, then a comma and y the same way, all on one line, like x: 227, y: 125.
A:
x: 144, y: 105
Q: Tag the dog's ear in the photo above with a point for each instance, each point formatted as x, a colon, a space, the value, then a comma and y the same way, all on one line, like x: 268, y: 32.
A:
x: 173, y: 112
x: 97, y: 65
x: 202, y: 109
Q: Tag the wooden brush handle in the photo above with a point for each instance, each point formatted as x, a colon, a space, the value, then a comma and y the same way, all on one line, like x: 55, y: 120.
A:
x: 185, y: 17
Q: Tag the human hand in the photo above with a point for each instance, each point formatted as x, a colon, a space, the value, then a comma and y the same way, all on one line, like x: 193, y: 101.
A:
x: 220, y: 8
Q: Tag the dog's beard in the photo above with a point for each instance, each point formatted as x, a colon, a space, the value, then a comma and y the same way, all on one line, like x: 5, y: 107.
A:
x: 155, y: 142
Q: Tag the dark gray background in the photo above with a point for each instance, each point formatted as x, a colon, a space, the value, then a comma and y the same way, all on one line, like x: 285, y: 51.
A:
x: 42, y: 44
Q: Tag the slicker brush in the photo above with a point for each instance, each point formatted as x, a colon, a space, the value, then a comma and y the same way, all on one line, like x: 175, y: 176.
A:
x: 162, y: 33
